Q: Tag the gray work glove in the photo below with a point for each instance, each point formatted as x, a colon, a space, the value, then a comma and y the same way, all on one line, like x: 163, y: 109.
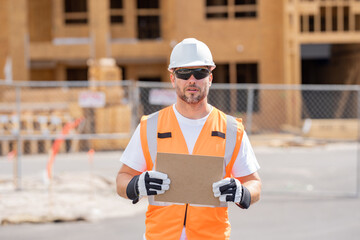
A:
x: 146, y: 184
x: 231, y: 190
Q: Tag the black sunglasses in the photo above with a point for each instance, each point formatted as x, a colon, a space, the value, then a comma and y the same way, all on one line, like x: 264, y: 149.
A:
x: 198, y: 73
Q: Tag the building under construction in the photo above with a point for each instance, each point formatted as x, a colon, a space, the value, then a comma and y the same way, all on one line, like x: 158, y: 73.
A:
x: 253, y: 41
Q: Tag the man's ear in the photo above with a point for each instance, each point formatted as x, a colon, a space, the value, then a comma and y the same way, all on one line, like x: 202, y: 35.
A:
x: 172, y: 78
x: 210, y: 79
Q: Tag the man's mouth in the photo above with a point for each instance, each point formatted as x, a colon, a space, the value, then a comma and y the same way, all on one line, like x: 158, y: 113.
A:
x: 192, y: 89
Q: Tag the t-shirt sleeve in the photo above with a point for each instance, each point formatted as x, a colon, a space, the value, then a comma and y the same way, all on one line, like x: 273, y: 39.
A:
x: 246, y: 162
x: 133, y: 155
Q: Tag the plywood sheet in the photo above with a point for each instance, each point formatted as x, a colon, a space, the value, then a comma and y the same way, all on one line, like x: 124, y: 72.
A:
x: 191, y: 178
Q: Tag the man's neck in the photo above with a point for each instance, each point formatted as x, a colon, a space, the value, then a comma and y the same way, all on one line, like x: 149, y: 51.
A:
x: 193, y: 111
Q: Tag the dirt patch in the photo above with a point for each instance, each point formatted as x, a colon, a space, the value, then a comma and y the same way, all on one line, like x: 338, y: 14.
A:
x: 68, y: 197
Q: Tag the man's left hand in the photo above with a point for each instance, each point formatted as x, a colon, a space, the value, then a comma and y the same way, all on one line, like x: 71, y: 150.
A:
x: 231, y: 190
x: 228, y: 190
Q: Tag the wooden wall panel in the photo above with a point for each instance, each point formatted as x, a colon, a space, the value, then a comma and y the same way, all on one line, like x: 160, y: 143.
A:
x: 4, y: 47
x: 42, y: 74
x: 40, y: 20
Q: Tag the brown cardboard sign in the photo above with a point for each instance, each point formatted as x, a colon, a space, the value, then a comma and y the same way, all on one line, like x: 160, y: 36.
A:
x: 191, y: 178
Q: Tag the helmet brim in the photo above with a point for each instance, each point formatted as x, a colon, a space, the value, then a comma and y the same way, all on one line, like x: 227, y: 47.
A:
x: 192, y: 64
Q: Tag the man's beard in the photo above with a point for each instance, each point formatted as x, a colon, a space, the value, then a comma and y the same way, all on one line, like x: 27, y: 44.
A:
x: 192, y: 99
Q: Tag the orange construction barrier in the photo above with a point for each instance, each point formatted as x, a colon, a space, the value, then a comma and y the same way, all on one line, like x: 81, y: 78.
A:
x: 57, y: 143
x: 91, y: 155
x: 11, y: 155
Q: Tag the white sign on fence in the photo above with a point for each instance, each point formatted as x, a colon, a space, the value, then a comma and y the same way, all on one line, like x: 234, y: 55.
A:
x: 162, y: 97
x: 91, y: 99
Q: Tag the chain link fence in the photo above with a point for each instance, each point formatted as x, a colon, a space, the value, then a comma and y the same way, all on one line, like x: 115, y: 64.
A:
x: 75, y: 117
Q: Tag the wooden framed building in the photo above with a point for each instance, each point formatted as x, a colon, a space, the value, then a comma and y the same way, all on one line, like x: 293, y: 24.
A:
x: 50, y: 39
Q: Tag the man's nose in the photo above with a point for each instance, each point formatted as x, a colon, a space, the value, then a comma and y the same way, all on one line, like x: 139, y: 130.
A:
x: 192, y: 79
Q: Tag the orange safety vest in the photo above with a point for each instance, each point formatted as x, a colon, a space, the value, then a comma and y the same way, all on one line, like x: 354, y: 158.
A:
x: 220, y: 136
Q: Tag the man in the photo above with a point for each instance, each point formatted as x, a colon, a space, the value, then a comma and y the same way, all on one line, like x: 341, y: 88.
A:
x: 190, y: 126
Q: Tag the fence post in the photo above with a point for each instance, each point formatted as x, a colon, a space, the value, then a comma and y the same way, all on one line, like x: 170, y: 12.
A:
x: 358, y: 147
x: 134, y: 101
x: 17, y: 170
x: 249, y: 109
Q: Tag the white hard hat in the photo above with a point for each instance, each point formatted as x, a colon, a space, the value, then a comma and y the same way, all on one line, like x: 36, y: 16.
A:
x: 190, y: 53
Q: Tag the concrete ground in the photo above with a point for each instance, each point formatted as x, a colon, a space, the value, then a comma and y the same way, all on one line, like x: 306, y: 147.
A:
x: 308, y: 193
x: 272, y: 218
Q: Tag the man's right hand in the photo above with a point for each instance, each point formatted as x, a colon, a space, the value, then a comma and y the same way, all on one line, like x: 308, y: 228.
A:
x: 146, y: 184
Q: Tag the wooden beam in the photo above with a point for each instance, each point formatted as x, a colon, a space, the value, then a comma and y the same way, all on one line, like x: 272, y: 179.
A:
x: 232, y: 73
x: 340, y: 18
x: 99, y: 14
x: 19, y: 39
x: 328, y: 18
x: 329, y: 37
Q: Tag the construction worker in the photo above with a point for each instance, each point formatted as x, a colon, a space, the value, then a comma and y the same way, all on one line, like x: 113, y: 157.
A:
x: 190, y: 126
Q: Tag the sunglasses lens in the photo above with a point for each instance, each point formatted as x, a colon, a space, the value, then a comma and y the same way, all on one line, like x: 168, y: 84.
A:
x: 198, y: 73
x: 201, y: 73
x: 183, y: 73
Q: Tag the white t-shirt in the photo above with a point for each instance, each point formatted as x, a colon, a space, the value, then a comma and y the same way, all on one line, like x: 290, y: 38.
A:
x: 244, y: 165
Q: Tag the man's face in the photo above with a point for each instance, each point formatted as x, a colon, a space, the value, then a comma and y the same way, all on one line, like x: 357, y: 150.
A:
x: 192, y: 90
